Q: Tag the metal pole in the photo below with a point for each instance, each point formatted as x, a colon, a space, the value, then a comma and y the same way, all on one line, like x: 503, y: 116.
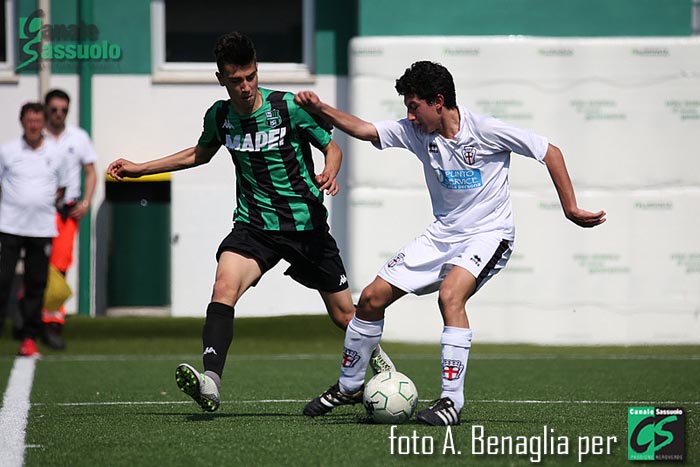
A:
x: 85, y: 265
x: 44, y: 65
x: 695, y: 18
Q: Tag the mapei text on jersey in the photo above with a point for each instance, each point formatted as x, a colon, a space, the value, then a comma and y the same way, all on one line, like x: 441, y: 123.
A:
x: 258, y: 141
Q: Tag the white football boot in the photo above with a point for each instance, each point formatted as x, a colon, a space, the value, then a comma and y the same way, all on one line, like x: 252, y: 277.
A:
x: 198, y: 386
x: 380, y: 361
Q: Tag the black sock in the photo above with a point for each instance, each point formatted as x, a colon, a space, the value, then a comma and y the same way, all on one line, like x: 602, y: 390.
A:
x: 217, y: 336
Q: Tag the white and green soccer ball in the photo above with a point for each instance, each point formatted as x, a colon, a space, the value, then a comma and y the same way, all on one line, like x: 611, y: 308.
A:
x: 390, y: 397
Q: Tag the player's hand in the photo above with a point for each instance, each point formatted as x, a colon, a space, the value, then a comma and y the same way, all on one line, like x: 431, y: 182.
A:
x: 123, y: 168
x: 585, y: 218
x: 79, y: 210
x: 308, y: 100
x: 327, y: 182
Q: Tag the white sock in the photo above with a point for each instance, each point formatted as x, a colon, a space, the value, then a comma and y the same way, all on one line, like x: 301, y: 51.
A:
x: 455, y: 353
x: 361, y: 338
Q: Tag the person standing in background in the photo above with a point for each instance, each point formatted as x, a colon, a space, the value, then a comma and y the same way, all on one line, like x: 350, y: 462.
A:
x: 33, y: 177
x: 80, y: 157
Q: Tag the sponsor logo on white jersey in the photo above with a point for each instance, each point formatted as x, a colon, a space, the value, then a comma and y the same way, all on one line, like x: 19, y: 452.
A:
x: 210, y: 350
x: 459, y: 179
x: 258, y: 141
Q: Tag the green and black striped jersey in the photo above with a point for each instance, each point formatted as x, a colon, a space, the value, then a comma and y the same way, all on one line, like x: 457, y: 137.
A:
x: 271, y: 151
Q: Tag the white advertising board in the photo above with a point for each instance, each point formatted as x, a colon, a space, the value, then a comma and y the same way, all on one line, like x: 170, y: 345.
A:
x: 626, y: 114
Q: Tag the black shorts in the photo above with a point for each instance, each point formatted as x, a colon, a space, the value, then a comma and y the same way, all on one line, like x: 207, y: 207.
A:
x: 313, y: 255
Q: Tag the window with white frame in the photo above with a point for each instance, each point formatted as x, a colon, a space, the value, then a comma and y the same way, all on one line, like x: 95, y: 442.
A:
x: 184, y: 34
x: 3, y: 33
x: 6, y: 39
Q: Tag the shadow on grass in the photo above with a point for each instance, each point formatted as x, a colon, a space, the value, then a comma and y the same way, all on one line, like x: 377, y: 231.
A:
x: 203, y: 417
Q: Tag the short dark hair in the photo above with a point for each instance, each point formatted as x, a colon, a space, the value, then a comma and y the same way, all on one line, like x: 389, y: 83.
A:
x: 56, y: 93
x: 426, y: 80
x: 37, y: 107
x: 234, y: 48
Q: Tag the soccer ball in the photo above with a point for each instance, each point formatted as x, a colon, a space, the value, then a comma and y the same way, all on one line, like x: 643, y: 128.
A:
x: 390, y: 397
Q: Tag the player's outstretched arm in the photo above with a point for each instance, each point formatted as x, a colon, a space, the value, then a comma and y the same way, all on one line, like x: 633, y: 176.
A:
x: 562, y: 182
x: 326, y: 180
x: 190, y: 157
x: 350, y: 124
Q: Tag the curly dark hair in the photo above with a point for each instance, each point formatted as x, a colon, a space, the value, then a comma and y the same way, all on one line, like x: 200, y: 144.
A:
x: 234, y: 48
x: 426, y: 80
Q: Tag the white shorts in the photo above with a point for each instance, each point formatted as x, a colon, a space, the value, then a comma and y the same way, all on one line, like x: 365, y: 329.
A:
x: 421, y: 266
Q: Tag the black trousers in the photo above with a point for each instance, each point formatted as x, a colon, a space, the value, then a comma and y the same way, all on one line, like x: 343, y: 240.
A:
x: 36, y: 269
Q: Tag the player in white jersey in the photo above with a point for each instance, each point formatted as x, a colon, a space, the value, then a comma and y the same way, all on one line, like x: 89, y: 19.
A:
x: 465, y: 160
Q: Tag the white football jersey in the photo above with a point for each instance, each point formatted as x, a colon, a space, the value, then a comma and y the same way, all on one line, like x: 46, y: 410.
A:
x: 467, y: 177
x: 78, y: 149
x: 29, y: 179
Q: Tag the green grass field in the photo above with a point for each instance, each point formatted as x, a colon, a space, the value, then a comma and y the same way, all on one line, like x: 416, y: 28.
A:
x: 111, y: 398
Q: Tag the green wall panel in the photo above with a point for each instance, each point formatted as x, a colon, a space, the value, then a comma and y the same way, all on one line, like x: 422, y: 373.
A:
x: 336, y: 24
x: 127, y: 23
x: 124, y: 26
x: 526, y: 17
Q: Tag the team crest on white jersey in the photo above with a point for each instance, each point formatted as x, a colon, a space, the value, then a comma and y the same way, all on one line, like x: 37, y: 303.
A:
x: 273, y: 118
x: 469, y: 154
x: 433, y: 148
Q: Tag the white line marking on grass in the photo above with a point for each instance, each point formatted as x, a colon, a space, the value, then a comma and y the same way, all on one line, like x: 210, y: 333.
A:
x: 15, y: 409
x: 244, y: 357
x: 287, y: 401
x: 83, y: 404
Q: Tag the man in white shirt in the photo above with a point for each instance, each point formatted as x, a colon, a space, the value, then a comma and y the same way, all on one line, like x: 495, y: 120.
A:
x: 32, y: 179
x: 80, y: 157
x: 465, y: 160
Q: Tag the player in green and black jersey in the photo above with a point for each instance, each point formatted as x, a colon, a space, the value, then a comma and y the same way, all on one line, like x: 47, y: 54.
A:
x: 270, y: 147
x: 279, y: 213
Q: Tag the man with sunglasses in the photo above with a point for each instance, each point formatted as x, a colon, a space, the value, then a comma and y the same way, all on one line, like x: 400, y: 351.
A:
x: 80, y: 155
